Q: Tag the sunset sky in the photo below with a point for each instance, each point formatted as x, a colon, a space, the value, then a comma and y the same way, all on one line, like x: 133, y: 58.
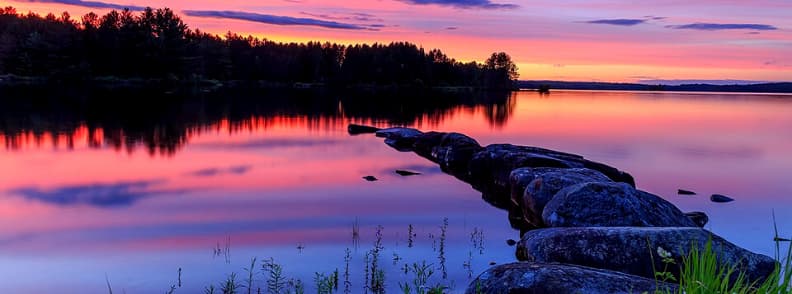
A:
x: 582, y: 40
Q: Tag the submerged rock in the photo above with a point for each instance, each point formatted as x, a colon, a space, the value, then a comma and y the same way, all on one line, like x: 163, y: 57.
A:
x: 718, y: 198
x: 685, y: 192
x: 634, y: 250
x: 530, y: 278
x: 401, y: 139
x: 354, y: 129
x: 532, y: 188
x: 699, y: 218
x: 610, y: 204
x: 452, y: 151
x: 406, y: 173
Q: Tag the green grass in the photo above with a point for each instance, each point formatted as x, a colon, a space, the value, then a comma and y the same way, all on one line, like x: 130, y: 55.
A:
x: 702, y: 273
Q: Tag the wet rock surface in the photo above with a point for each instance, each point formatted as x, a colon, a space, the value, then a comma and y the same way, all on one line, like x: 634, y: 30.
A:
x: 401, y: 139
x: 685, y: 192
x: 718, y: 198
x: 533, y: 188
x: 530, y: 277
x: 354, y: 129
x: 406, y: 173
x: 634, y: 250
x: 609, y: 204
x: 452, y: 151
x: 699, y: 218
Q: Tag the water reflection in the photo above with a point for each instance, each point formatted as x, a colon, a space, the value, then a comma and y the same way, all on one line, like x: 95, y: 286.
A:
x: 274, y: 171
x: 163, y: 122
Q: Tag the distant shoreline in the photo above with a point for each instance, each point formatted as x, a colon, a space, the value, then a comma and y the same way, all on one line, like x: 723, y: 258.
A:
x: 779, y: 88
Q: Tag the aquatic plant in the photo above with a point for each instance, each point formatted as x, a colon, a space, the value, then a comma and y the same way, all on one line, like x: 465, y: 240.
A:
x: 224, y: 251
x: 296, y: 286
x: 276, y: 282
x: 377, y: 278
x: 356, y: 234
x: 251, y: 271
x: 421, y: 274
x: 347, y: 282
x: 109, y: 288
x: 209, y: 289
x: 411, y: 235
x: 441, y: 255
x: 325, y: 284
x: 229, y: 286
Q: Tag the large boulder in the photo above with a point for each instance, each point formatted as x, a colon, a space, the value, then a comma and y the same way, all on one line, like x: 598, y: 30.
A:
x: 634, y: 250
x: 518, y: 180
x: 532, y: 188
x: 531, y: 278
x: 452, y: 151
x: 610, y: 204
x: 401, y: 139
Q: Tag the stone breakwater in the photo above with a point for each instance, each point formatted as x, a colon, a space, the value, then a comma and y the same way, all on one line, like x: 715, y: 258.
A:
x: 584, y: 226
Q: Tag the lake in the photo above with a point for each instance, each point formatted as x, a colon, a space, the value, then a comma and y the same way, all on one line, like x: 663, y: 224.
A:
x: 145, y: 191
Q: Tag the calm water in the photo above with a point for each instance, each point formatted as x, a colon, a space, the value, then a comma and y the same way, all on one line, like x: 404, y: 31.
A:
x: 132, y: 195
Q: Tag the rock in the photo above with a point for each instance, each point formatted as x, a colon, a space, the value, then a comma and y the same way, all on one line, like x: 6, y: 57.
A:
x: 611, y: 172
x: 610, y: 204
x: 530, y: 278
x: 699, y: 218
x: 406, y: 173
x: 511, y: 242
x: 452, y: 151
x: 354, y: 129
x: 401, y: 139
x: 685, y: 192
x: 490, y: 168
x: 518, y: 180
x: 370, y: 178
x: 631, y: 249
x: 718, y: 198
x: 426, y: 142
x: 532, y: 188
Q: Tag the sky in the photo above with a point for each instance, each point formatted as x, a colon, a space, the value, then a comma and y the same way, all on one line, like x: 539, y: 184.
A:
x: 660, y: 41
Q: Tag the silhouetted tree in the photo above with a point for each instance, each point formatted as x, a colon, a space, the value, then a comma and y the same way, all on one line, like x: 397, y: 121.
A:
x: 502, y: 69
x: 157, y: 44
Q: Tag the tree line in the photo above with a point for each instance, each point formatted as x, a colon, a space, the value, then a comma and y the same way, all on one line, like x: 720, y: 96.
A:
x: 157, y: 44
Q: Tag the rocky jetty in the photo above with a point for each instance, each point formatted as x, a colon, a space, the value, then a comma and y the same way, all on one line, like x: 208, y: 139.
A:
x: 584, y: 226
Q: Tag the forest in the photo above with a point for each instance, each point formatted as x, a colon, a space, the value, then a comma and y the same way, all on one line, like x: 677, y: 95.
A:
x: 156, y: 44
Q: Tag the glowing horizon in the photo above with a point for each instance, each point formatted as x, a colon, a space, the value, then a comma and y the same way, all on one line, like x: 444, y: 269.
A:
x: 574, y: 40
